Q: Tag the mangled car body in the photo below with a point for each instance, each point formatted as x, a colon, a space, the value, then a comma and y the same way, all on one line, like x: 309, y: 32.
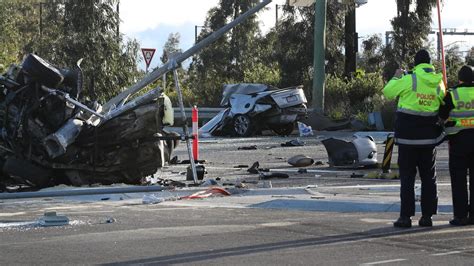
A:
x: 49, y: 137
x: 361, y: 151
x: 251, y: 108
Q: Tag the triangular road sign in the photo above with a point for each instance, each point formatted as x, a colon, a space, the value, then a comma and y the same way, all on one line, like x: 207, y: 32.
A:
x: 148, y: 55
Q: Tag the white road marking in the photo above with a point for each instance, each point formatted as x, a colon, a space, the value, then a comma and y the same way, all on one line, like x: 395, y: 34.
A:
x: 383, y: 262
x: 446, y: 253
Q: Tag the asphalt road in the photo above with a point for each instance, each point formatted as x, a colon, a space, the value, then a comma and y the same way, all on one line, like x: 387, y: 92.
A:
x: 322, y: 217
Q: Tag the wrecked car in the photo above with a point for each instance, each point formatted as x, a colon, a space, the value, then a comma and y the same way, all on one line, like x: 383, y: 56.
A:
x: 49, y: 137
x: 251, y: 108
x: 361, y: 151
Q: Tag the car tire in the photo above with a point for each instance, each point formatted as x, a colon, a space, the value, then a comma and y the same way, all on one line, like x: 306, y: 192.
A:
x: 284, y: 130
x: 243, y: 126
x: 42, y: 71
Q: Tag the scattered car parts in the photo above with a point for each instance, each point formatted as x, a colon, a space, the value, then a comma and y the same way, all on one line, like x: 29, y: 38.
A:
x: 360, y: 152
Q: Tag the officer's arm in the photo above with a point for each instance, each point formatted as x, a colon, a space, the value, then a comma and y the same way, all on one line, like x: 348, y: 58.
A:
x: 393, y: 88
x: 446, y: 108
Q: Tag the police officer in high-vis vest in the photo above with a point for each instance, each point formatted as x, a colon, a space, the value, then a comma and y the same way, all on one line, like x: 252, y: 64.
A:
x: 417, y: 132
x: 459, y: 112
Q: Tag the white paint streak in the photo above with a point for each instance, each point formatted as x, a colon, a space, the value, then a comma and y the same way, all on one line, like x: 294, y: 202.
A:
x: 446, y: 253
x: 383, y: 262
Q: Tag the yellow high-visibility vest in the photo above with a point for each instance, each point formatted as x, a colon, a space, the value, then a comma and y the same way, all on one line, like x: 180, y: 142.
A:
x: 463, y: 112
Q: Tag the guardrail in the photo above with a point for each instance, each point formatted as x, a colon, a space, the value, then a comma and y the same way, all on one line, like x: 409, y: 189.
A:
x: 205, y: 113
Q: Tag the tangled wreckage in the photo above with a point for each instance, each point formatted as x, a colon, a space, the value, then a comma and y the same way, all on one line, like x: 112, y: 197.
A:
x: 48, y: 137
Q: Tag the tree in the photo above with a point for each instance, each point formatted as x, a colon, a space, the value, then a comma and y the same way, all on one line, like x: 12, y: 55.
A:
x: 88, y: 29
x: 230, y: 58
x: 372, y: 59
x: 454, y: 62
x: 470, y: 57
x: 19, y: 27
x: 411, y: 27
x: 171, y: 47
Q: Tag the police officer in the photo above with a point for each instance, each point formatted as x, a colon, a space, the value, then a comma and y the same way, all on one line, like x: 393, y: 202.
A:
x: 459, y: 110
x: 417, y: 132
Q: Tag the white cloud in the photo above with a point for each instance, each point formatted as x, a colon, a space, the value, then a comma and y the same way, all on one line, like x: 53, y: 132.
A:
x: 141, y: 15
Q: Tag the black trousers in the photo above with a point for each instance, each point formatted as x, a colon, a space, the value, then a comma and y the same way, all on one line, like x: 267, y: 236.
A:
x: 411, y: 158
x: 461, y: 159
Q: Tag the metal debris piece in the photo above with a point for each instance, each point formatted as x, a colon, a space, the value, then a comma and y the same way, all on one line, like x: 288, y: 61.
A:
x: 200, y: 171
x: 251, y: 147
x: 361, y: 151
x: 52, y: 219
x: 300, y: 161
x: 270, y: 175
x: 293, y: 143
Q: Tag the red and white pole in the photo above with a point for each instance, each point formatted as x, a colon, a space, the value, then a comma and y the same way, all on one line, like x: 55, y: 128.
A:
x: 195, y: 133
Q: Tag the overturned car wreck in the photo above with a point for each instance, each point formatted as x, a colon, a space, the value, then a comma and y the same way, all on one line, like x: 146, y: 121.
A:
x: 251, y: 108
x: 48, y: 137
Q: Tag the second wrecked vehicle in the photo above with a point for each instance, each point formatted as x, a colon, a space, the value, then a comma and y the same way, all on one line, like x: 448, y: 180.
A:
x: 251, y: 108
x: 48, y: 137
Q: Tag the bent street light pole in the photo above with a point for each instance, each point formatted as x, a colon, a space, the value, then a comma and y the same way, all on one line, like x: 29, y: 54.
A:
x: 169, y: 66
x: 319, y: 76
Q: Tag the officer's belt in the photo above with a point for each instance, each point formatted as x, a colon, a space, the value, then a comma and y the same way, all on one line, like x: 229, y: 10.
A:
x: 420, y: 141
x: 419, y: 113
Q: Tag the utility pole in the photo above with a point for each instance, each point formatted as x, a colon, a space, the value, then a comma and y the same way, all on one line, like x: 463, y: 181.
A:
x: 351, y: 40
x: 319, y: 64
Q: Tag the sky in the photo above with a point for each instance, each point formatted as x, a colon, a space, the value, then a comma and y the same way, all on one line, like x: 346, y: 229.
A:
x: 151, y: 21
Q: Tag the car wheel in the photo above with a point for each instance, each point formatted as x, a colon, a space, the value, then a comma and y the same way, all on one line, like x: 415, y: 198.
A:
x: 243, y: 125
x: 284, y: 130
x: 42, y: 71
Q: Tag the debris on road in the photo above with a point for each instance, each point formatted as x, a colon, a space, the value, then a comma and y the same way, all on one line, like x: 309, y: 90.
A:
x: 152, y: 199
x: 304, y: 130
x: 214, y: 191
x: 270, y: 175
x: 200, y: 171
x: 360, y: 152
x: 241, y: 166
x: 300, y: 160
x: 255, y: 168
x: 246, y: 148
x: 52, y: 219
x: 209, y: 182
x: 293, y: 143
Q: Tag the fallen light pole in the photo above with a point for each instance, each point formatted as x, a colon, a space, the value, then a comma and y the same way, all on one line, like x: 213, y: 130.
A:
x: 172, y: 65
x: 179, y: 58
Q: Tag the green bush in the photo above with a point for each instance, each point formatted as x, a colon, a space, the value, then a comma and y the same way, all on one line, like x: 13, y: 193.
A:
x: 354, y: 97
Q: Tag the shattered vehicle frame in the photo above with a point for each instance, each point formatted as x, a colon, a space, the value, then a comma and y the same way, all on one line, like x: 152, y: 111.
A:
x: 48, y: 137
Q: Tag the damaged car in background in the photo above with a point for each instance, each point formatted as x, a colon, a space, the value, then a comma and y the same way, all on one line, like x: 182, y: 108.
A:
x: 49, y: 137
x: 251, y: 108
